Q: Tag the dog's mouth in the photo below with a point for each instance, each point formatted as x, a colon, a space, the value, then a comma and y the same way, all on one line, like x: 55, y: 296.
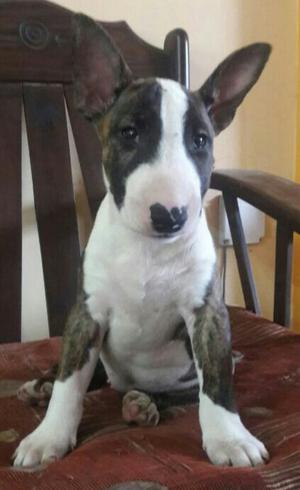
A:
x: 159, y: 236
x: 169, y: 237
x: 166, y: 236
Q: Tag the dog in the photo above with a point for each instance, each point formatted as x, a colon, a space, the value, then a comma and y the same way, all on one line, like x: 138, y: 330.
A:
x: 148, y: 301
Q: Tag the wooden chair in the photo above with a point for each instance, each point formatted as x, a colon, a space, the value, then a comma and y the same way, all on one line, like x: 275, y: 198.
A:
x: 36, y: 73
x: 36, y: 70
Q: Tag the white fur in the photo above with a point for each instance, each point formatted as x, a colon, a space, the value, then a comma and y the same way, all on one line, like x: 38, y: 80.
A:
x: 142, y: 287
x: 225, y: 438
x: 57, y: 432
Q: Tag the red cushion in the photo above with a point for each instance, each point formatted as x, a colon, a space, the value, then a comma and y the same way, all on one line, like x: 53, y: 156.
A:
x: 267, y: 384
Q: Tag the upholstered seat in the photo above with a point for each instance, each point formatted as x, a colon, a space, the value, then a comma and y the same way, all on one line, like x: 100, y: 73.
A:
x: 267, y: 380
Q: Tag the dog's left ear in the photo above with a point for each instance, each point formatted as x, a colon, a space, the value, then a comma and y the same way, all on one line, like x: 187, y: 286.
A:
x: 100, y: 71
x: 225, y: 89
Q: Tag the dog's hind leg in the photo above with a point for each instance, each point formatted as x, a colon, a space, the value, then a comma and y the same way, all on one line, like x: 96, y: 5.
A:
x: 38, y: 391
x: 138, y: 407
x: 145, y: 408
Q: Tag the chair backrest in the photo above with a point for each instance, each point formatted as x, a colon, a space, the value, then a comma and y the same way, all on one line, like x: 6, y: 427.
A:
x: 36, y: 73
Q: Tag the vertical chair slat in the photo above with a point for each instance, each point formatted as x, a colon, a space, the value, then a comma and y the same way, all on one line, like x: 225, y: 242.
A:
x: 54, y: 198
x: 241, y: 253
x: 89, y: 153
x: 176, y: 45
x: 283, y: 274
x: 10, y: 212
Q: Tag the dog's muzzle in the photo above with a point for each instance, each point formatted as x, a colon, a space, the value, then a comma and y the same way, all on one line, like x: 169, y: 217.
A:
x: 167, y: 222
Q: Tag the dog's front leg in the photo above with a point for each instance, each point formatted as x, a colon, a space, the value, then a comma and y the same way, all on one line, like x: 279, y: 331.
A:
x: 225, y: 438
x: 57, y: 432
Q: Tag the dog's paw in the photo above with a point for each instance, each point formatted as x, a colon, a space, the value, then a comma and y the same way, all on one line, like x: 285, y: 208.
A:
x: 225, y: 438
x: 139, y: 408
x: 245, y: 450
x: 35, y: 392
x: 43, y: 445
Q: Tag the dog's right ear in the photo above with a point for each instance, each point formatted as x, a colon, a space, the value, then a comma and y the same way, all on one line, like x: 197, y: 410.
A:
x: 100, y: 71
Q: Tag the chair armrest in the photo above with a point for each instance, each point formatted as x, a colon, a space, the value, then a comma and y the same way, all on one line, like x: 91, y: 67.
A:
x: 275, y: 196
x: 280, y: 199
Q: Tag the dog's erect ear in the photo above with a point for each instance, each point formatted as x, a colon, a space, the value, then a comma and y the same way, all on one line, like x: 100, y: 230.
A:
x: 225, y: 89
x: 100, y: 71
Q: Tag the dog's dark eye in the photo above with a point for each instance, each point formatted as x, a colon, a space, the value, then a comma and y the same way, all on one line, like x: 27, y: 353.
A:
x: 129, y: 133
x: 199, y: 141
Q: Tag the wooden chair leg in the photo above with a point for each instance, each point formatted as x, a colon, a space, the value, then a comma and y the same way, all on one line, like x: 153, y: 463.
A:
x: 283, y: 274
x: 241, y: 253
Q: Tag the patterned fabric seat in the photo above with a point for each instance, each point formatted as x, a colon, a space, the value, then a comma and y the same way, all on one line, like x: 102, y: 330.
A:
x: 109, y: 452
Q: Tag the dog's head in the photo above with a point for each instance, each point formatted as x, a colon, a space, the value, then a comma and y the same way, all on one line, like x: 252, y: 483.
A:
x: 157, y: 138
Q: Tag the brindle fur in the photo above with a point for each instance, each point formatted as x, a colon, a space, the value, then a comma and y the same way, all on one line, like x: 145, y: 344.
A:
x: 175, y: 398
x: 138, y: 106
x: 48, y: 377
x: 181, y: 333
x: 212, y: 348
x: 80, y: 335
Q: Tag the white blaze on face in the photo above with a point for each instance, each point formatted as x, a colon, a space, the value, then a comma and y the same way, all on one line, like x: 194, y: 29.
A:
x: 171, y: 179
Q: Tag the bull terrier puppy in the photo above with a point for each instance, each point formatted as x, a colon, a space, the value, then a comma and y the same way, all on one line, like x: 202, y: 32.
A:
x: 148, y: 304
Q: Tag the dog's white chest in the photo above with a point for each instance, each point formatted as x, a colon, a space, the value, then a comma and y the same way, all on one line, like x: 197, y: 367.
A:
x: 140, y: 289
x: 146, y: 307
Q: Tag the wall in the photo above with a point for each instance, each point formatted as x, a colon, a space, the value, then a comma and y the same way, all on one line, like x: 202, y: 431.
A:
x: 262, y: 135
x: 267, y: 125
x: 296, y: 262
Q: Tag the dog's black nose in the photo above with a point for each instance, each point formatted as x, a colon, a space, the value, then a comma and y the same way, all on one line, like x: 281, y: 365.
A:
x: 165, y: 221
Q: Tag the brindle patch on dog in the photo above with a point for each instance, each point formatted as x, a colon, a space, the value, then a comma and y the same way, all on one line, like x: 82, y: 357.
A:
x: 81, y: 334
x: 130, y: 133
x: 212, y: 347
x: 182, y: 334
x: 197, y: 123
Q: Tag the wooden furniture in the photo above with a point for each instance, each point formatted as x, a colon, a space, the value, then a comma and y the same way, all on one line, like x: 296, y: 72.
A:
x: 280, y: 199
x: 36, y: 73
